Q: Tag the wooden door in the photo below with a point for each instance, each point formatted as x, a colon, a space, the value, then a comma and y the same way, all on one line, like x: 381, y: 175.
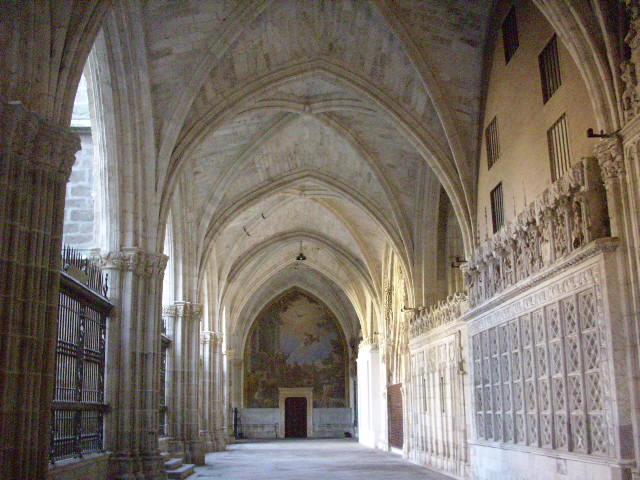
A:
x: 295, y: 417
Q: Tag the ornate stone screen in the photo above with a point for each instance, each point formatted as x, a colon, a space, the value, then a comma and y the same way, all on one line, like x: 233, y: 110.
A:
x: 539, y: 370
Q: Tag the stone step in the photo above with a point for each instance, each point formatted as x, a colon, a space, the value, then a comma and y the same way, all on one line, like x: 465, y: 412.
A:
x: 181, y: 472
x: 172, y: 463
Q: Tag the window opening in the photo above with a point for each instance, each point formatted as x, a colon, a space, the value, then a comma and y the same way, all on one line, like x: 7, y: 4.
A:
x: 497, y: 209
x: 558, y: 142
x: 549, y: 69
x: 492, y: 143
x: 510, y: 35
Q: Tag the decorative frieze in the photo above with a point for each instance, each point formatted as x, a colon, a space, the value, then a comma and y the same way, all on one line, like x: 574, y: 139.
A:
x: 539, y: 369
x: 442, y: 313
x: 133, y: 259
x: 210, y: 337
x: 568, y: 215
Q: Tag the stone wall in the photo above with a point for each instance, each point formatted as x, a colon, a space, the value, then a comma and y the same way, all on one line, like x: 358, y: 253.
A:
x: 92, y: 467
x: 514, y: 97
x: 327, y: 422
x: 78, y: 209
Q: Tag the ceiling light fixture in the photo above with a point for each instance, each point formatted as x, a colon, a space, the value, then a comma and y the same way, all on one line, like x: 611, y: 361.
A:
x: 301, y: 257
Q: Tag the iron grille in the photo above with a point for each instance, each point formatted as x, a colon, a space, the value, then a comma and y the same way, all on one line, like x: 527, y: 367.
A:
x: 497, y: 208
x: 558, y: 141
x: 510, y: 35
x: 549, y: 69
x: 492, y: 142
x: 78, y: 402
x: 162, y: 427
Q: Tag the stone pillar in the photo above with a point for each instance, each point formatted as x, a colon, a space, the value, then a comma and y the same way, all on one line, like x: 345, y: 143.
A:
x: 133, y: 363
x: 183, y: 381
x: 234, y: 369
x: 372, y: 415
x: 220, y: 432
x: 35, y: 163
x: 211, y: 408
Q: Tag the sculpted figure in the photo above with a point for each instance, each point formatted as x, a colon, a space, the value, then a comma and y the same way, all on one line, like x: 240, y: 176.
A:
x: 630, y: 94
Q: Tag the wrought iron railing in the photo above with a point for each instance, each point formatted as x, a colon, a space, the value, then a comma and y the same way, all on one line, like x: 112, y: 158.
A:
x: 78, y: 404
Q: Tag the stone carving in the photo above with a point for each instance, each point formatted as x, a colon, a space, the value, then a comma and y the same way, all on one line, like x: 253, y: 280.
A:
x: 444, y: 312
x: 31, y: 142
x: 567, y: 216
x: 539, y: 380
x: 611, y: 159
x: 133, y: 259
x: 207, y: 337
x: 628, y: 68
x: 435, y: 389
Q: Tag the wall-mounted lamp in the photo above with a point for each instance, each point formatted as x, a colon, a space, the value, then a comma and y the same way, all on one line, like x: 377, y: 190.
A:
x: 591, y: 134
x: 458, y: 262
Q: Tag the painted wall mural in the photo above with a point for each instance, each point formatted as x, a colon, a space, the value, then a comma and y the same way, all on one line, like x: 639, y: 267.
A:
x: 296, y: 341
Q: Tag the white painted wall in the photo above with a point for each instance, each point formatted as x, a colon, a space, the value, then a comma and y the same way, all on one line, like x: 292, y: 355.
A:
x: 372, y: 403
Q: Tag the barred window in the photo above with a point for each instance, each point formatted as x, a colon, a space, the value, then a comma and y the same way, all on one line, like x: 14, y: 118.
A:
x: 492, y: 143
x: 549, y: 69
x: 510, y: 35
x: 497, y: 209
x: 558, y: 141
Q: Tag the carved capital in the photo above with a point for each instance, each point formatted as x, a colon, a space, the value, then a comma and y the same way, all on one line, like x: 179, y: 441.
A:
x: 169, y: 311
x: 35, y: 144
x: 610, y: 158
x: 210, y: 337
x: 134, y: 260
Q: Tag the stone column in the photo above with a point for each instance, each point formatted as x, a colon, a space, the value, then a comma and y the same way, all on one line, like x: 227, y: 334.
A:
x: 209, y: 432
x: 234, y: 372
x: 220, y: 432
x: 183, y: 380
x: 133, y: 363
x: 35, y: 163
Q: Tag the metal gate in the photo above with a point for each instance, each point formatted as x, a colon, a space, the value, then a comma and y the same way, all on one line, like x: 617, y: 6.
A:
x: 78, y: 402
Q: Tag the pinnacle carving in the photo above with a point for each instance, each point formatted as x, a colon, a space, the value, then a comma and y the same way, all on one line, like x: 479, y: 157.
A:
x: 443, y: 313
x: 567, y: 216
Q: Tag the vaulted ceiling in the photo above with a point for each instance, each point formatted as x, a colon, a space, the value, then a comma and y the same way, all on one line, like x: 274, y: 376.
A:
x: 330, y: 126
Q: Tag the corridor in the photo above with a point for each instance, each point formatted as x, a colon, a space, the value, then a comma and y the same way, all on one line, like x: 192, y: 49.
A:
x: 339, y: 459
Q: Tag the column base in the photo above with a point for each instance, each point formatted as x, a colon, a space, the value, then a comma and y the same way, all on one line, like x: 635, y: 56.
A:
x: 136, y: 467
x: 125, y: 467
x: 194, y: 452
x: 153, y: 467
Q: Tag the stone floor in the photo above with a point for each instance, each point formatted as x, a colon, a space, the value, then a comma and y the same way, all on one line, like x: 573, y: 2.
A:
x: 339, y: 459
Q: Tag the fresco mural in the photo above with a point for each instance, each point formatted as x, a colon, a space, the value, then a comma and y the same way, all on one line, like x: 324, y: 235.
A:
x: 296, y: 341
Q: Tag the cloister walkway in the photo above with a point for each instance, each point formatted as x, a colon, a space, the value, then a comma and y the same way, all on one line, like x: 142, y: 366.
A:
x: 335, y: 459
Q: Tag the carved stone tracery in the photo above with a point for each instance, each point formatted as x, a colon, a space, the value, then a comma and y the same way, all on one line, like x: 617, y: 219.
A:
x: 540, y: 369
x: 443, y: 313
